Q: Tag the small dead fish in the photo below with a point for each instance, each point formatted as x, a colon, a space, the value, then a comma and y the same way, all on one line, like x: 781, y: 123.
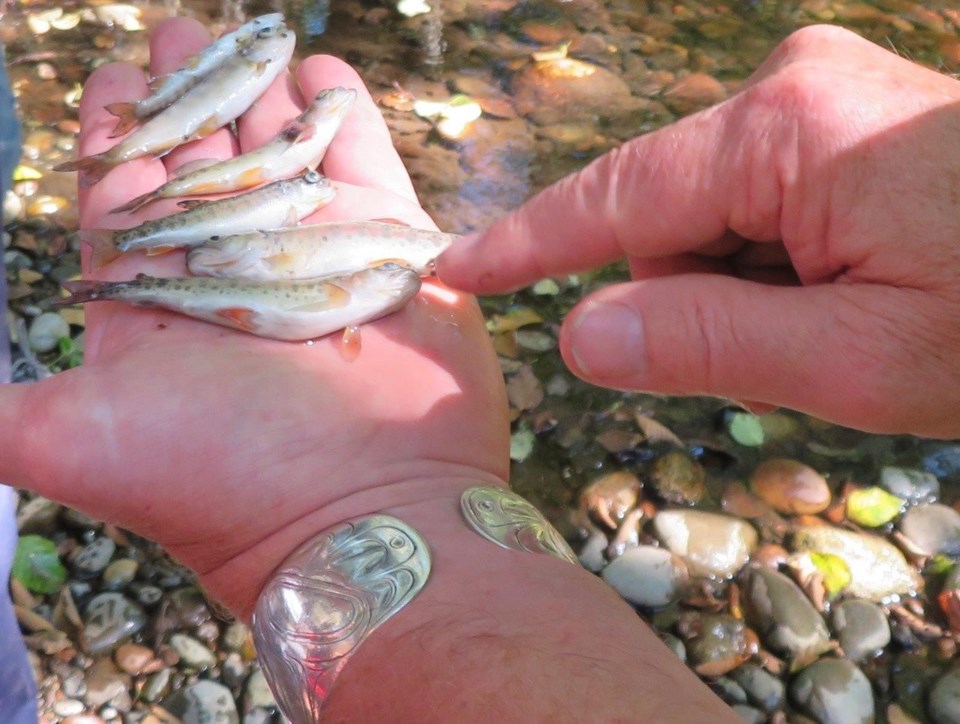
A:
x: 165, y: 89
x: 212, y: 103
x: 315, y: 250
x: 301, y: 144
x: 291, y: 311
x: 275, y: 205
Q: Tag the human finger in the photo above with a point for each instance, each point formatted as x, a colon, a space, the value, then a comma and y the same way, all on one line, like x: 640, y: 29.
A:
x: 703, y: 334
x: 362, y: 152
x: 666, y: 193
x: 280, y: 104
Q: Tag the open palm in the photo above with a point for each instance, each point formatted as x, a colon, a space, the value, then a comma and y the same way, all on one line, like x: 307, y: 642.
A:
x: 229, y: 449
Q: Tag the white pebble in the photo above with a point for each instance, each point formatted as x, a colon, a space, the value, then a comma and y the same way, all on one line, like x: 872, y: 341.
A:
x: 46, y: 331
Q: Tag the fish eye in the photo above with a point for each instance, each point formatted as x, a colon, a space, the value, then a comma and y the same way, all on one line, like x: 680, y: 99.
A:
x: 312, y: 177
x: 215, y: 238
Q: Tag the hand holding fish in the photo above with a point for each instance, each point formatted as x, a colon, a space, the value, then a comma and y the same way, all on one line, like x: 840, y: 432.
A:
x: 231, y: 450
x: 833, y: 168
x: 227, y: 448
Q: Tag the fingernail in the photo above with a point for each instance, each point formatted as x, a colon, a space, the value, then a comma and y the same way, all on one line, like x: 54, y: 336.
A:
x: 607, y: 341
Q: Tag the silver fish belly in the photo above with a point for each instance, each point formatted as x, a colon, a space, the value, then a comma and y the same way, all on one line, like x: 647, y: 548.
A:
x: 315, y: 250
x: 290, y: 311
x: 277, y: 204
x: 168, y: 88
x: 301, y: 144
x: 214, y: 102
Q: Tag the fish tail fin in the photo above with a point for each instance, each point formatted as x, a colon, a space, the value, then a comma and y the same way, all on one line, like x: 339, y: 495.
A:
x: 134, y: 204
x: 82, y: 290
x: 103, y: 247
x: 91, y: 168
x: 127, y: 113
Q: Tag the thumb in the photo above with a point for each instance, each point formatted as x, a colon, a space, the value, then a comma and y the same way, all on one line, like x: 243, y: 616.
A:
x: 840, y: 352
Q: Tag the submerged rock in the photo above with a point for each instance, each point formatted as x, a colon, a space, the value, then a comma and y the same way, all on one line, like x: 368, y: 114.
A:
x: 783, y: 616
x: 789, y: 486
x: 914, y: 486
x: 647, y: 576
x: 834, y: 691
x: 717, y: 643
x: 877, y: 569
x: 932, y: 529
x: 945, y: 698
x: 763, y: 688
x: 679, y: 478
x: 710, y: 544
x: 862, y: 628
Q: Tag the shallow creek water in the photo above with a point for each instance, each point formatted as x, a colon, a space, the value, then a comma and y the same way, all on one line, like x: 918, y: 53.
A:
x: 647, y: 64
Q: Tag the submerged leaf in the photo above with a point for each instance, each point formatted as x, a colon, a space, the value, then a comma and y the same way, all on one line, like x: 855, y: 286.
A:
x: 835, y: 572
x: 36, y: 564
x: 521, y: 444
x: 514, y: 319
x: 872, y: 507
x: 746, y: 429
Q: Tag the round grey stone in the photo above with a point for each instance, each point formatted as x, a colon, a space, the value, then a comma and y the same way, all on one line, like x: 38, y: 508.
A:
x: 110, y: 619
x: 192, y: 653
x: 763, y: 688
x: 783, y: 616
x: 945, y: 698
x: 862, y: 628
x: 914, y: 486
x: 749, y: 714
x: 591, y: 555
x: 94, y: 557
x: 646, y: 576
x: 834, y: 691
x: 933, y: 529
x: 202, y: 703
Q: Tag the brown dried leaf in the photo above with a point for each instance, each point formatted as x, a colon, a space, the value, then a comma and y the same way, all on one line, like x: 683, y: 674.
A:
x: 524, y: 389
x: 655, y: 432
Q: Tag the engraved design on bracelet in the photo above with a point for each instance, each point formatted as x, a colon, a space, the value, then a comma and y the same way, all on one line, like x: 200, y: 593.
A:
x: 508, y: 520
x: 326, y: 598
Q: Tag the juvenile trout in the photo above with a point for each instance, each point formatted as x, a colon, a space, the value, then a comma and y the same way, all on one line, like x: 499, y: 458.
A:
x: 315, y: 250
x: 301, y: 144
x: 165, y: 89
x: 215, y: 101
x: 289, y: 311
x: 275, y: 205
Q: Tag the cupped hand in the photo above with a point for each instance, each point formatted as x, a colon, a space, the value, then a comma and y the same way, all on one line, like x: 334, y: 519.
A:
x: 229, y: 449
x: 796, y: 245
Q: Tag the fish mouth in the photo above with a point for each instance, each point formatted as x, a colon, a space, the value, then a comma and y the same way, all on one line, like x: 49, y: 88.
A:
x: 334, y: 100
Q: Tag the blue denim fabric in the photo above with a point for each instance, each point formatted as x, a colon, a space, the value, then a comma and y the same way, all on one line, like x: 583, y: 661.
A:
x: 17, y: 694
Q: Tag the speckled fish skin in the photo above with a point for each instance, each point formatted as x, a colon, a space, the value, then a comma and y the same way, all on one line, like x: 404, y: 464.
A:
x: 211, y: 104
x: 289, y: 311
x: 301, y: 144
x: 167, y: 88
x: 315, y: 250
x: 279, y: 203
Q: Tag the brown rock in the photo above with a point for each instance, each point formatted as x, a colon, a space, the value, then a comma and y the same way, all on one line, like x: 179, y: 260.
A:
x: 789, y: 486
x: 694, y: 92
x: 133, y: 658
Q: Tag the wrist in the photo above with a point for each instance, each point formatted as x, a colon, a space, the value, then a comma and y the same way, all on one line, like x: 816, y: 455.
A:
x: 512, y: 623
x: 237, y: 583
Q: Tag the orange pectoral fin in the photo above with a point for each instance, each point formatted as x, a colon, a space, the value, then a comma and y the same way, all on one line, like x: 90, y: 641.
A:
x: 250, y: 177
x: 158, y: 250
x: 240, y: 317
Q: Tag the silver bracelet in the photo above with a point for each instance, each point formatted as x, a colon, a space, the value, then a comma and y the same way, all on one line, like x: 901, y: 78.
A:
x: 503, y: 517
x: 326, y: 599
